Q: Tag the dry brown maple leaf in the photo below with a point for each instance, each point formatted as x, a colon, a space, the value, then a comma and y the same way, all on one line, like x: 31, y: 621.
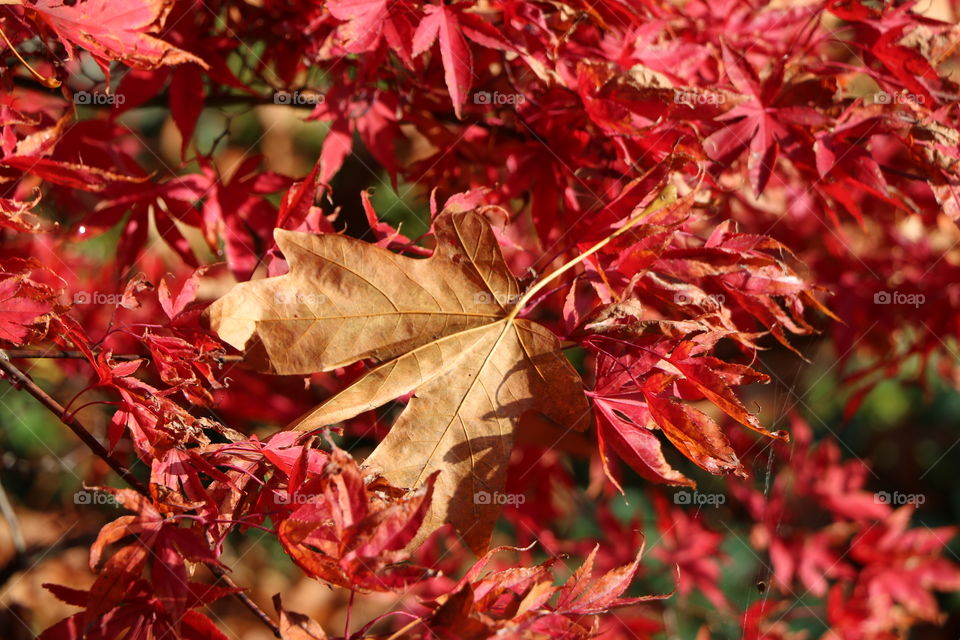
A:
x: 445, y: 327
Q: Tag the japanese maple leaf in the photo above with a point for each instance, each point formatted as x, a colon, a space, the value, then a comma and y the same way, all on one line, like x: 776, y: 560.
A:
x: 373, y: 116
x: 847, y: 166
x: 370, y: 22
x: 68, y: 174
x: 451, y: 25
x: 120, y: 599
x: 625, y: 427
x: 754, y: 125
x: 59, y: 154
x: 140, y: 610
x: 112, y: 32
x: 237, y: 211
x: 169, y: 202
x: 16, y: 215
x: 20, y: 308
x: 445, y: 327
x: 810, y: 556
x: 516, y: 602
x: 643, y: 389
x: 752, y: 272
x: 584, y: 595
x: 186, y: 102
x: 347, y: 533
x: 904, y: 566
x: 442, y: 22
x: 879, y: 35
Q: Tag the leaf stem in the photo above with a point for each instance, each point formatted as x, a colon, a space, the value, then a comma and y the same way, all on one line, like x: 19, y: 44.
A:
x: 399, y: 632
x: 49, y: 83
x: 346, y: 626
x: 667, y: 196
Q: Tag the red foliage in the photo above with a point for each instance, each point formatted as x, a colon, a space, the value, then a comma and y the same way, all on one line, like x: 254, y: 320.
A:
x: 727, y: 176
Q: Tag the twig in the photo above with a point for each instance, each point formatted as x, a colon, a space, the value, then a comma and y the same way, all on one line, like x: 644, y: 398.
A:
x: 402, y: 630
x: 162, y: 100
x: 19, y: 379
x: 60, y: 354
x: 245, y: 599
x: 346, y: 626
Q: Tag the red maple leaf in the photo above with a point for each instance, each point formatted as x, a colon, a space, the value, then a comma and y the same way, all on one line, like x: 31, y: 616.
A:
x: 108, y: 34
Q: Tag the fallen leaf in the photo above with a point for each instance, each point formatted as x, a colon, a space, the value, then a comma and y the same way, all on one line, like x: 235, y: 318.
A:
x: 445, y: 327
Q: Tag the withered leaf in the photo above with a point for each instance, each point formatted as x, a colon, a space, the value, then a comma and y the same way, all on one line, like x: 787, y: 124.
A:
x: 444, y: 327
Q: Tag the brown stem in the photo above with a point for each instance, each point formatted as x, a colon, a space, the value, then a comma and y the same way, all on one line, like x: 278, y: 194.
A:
x: 29, y: 354
x: 346, y: 626
x: 19, y: 379
x: 245, y: 599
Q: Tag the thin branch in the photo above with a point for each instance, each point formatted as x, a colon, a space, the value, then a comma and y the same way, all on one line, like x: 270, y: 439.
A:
x: 255, y: 100
x: 245, y: 599
x: 162, y: 100
x: 19, y: 379
x: 60, y: 354
x: 667, y: 197
x: 346, y: 626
